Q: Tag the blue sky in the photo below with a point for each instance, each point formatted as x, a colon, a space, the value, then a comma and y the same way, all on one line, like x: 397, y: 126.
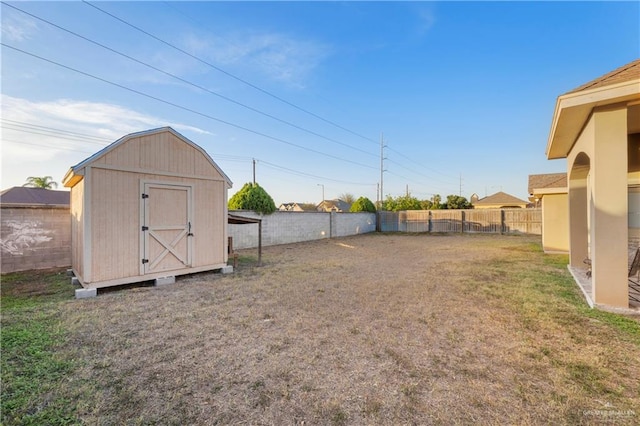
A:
x: 462, y: 92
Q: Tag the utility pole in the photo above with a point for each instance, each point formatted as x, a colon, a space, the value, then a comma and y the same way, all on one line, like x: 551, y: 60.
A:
x: 322, y: 185
x: 381, y: 170
x: 407, y: 190
x: 254, y: 172
x: 461, y: 184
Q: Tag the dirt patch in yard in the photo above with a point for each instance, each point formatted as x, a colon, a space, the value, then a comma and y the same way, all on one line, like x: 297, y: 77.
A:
x: 374, y: 329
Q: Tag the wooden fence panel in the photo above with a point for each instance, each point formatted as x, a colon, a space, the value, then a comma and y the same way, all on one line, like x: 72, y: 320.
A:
x: 528, y: 221
x: 417, y: 220
x: 446, y: 221
x: 488, y: 221
x: 483, y: 221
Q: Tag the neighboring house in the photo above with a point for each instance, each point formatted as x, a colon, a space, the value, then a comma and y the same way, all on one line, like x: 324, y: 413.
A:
x: 549, y: 192
x: 151, y: 205
x: 296, y: 207
x: 333, y: 206
x: 36, y: 229
x: 499, y: 200
x: 596, y: 127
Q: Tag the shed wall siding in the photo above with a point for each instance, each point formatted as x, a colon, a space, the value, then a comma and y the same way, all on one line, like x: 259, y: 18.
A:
x: 116, y: 233
x: 115, y: 229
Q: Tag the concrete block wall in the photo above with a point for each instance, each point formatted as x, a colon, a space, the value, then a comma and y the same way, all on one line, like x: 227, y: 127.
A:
x: 34, y: 238
x: 293, y: 227
x: 345, y: 224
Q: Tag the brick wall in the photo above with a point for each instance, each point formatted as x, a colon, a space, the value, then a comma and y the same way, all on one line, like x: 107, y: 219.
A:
x: 34, y: 238
x: 291, y: 227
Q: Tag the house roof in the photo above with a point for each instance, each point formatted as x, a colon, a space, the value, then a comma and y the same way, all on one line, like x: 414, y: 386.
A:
x: 548, y: 180
x: 628, y: 72
x: 500, y: 198
x: 19, y: 195
x: 87, y: 161
x: 337, y: 204
x: 573, y: 109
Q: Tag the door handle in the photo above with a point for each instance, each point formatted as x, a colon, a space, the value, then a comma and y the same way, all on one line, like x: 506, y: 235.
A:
x: 189, y: 234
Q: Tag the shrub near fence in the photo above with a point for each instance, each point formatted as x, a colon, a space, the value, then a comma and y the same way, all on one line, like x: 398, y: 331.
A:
x: 493, y: 221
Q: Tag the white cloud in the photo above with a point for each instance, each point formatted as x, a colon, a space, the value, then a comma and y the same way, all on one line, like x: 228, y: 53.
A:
x: 45, y: 138
x: 277, y: 56
x: 17, y: 27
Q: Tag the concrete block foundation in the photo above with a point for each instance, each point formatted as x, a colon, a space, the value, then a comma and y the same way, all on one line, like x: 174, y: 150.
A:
x: 164, y: 281
x: 86, y: 293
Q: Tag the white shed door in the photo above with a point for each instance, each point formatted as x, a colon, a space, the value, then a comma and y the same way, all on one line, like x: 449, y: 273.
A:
x: 166, y: 230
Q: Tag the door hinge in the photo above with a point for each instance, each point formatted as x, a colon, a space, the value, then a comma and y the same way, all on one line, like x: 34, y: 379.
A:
x: 145, y: 196
x: 145, y: 228
x: 145, y: 261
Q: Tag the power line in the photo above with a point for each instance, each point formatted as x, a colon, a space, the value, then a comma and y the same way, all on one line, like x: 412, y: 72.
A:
x: 57, y: 148
x: 416, y: 172
x: 47, y: 131
x: 419, y: 164
x: 220, y: 157
x: 226, y: 98
x: 299, y: 173
x: 266, y: 92
x: 138, y: 92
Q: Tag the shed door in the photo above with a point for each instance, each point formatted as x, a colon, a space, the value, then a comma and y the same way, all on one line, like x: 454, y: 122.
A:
x: 166, y: 229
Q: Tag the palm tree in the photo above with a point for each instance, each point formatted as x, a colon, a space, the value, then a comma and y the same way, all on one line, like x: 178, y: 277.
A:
x: 347, y: 198
x: 44, y: 182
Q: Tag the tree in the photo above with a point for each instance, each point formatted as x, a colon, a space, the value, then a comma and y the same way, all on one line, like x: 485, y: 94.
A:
x: 362, y: 204
x: 426, y: 205
x: 403, y: 202
x: 347, y: 198
x: 436, y: 202
x: 252, y: 197
x: 44, y: 182
x: 457, y: 202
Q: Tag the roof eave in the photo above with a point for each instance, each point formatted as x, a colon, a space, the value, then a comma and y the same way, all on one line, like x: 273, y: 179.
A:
x: 72, y: 177
x: 573, y: 110
x: 550, y: 191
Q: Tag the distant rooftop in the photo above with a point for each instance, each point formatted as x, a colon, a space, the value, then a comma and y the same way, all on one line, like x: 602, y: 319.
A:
x: 500, y: 198
x: 548, y: 180
x: 20, y: 195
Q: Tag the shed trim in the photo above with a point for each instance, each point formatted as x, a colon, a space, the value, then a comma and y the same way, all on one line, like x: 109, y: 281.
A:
x: 154, y: 172
x: 86, y: 217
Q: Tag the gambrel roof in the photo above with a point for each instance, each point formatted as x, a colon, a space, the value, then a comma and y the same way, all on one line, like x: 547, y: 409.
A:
x: 75, y: 172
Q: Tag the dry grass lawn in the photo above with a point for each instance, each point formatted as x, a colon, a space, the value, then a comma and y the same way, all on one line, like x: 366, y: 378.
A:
x: 375, y: 329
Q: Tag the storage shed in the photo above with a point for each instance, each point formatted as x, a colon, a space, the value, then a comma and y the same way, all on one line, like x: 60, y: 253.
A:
x: 152, y: 204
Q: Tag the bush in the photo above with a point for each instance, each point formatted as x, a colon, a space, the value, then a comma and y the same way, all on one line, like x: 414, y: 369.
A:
x: 252, y: 197
x: 362, y: 204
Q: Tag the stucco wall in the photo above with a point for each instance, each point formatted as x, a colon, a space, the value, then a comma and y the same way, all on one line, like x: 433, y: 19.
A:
x: 291, y: 227
x: 555, y: 223
x: 35, y: 238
